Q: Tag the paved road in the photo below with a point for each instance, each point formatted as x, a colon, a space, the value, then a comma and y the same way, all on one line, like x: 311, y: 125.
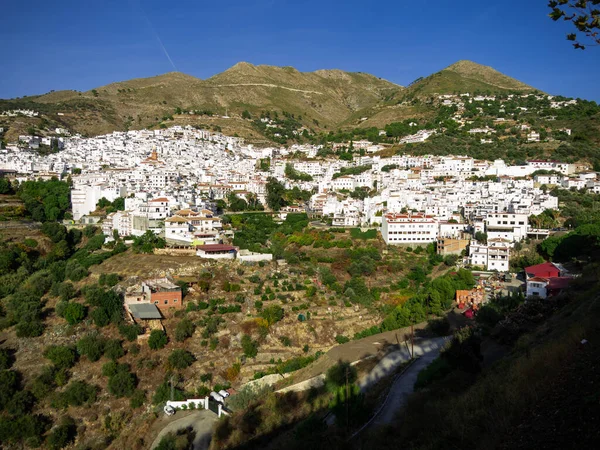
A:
x: 427, y: 350
x: 390, y: 362
x: 202, y: 421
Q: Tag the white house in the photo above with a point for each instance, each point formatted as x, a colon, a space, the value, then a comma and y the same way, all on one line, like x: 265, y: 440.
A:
x: 409, y: 229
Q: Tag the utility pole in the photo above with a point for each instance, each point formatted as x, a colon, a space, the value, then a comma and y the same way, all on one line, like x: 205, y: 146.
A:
x: 412, y: 341
x: 172, y: 388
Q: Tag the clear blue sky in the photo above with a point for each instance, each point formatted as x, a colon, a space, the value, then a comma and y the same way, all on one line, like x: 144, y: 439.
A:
x: 82, y: 44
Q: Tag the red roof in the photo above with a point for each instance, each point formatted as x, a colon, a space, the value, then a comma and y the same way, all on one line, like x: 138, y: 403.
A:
x: 216, y: 248
x: 546, y: 270
x: 161, y: 199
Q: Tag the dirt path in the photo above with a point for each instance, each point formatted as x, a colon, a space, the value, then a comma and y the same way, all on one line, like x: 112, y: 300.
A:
x: 267, y: 85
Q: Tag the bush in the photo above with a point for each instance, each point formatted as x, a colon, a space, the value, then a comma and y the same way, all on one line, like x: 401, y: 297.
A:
x: 340, y: 339
x: 206, y: 377
x: 272, y: 314
x: 122, y: 384
x: 109, y: 280
x: 74, y: 313
x: 7, y: 359
x: 61, y: 356
x: 130, y: 332
x: 437, y: 370
x: 180, y: 359
x: 137, y: 399
x: 286, y: 341
x: 91, y: 346
x: 34, y: 328
x: 249, y: 346
x: 163, y: 393
x: 185, y: 329
x: 157, y: 340
x: 77, y: 393
x: 62, y: 435
x: 113, y: 349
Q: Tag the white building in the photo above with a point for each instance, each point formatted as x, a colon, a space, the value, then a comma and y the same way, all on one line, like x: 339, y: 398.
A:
x: 494, y: 255
x: 505, y: 225
x: 409, y: 229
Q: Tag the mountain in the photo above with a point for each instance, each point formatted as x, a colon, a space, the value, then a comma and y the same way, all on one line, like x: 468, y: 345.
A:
x: 322, y: 100
x: 465, y: 76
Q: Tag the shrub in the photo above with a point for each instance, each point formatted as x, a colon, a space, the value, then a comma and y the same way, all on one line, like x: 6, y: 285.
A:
x: 110, y: 279
x: 437, y: 370
x: 6, y: 359
x: 180, y: 359
x: 272, y: 314
x: 122, y: 384
x: 62, y: 435
x: 113, y: 349
x: 130, y: 332
x: 157, y: 340
x: 340, y: 339
x: 206, y: 377
x: 286, y: 341
x: 74, y: 313
x: 79, y: 393
x: 137, y: 399
x: 249, y: 346
x: 91, y: 346
x: 185, y: 329
x: 61, y: 356
x: 163, y: 393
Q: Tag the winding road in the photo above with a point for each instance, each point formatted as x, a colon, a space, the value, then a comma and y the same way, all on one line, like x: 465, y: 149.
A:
x: 426, y: 350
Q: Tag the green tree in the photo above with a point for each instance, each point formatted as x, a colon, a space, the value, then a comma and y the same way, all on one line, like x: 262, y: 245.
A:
x: 249, y: 346
x: 272, y: 314
x: 482, y: 237
x: 122, y: 384
x: 91, y: 346
x: 130, y: 332
x: 62, y: 435
x: 157, y: 340
x: 275, y: 194
x: 185, y: 329
x: 74, y: 313
x: 180, y: 359
x: 62, y: 357
x: 113, y: 349
x: 583, y: 14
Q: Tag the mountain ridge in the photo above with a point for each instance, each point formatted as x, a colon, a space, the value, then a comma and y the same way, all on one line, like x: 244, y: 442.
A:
x: 324, y: 99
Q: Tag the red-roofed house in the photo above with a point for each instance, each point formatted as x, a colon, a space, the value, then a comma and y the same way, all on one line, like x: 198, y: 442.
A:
x: 545, y: 270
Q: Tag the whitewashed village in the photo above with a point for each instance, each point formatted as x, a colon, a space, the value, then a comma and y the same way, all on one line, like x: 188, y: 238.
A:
x: 171, y: 180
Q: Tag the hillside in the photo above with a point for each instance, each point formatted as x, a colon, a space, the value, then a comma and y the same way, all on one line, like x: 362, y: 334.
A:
x: 322, y: 100
x: 465, y: 76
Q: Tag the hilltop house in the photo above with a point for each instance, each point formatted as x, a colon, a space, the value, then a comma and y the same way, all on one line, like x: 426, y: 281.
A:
x: 160, y: 292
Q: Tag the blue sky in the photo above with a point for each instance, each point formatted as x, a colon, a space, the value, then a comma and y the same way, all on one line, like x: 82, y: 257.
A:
x: 84, y: 44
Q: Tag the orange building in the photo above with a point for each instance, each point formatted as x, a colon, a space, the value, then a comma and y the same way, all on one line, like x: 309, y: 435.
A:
x: 163, y: 293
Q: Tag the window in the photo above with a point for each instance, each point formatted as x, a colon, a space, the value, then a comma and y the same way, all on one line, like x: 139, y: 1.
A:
x: 166, y: 302
x: 175, y: 300
x: 156, y: 302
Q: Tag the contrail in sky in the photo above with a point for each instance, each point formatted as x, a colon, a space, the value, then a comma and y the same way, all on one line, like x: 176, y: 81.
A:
x: 157, y: 36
